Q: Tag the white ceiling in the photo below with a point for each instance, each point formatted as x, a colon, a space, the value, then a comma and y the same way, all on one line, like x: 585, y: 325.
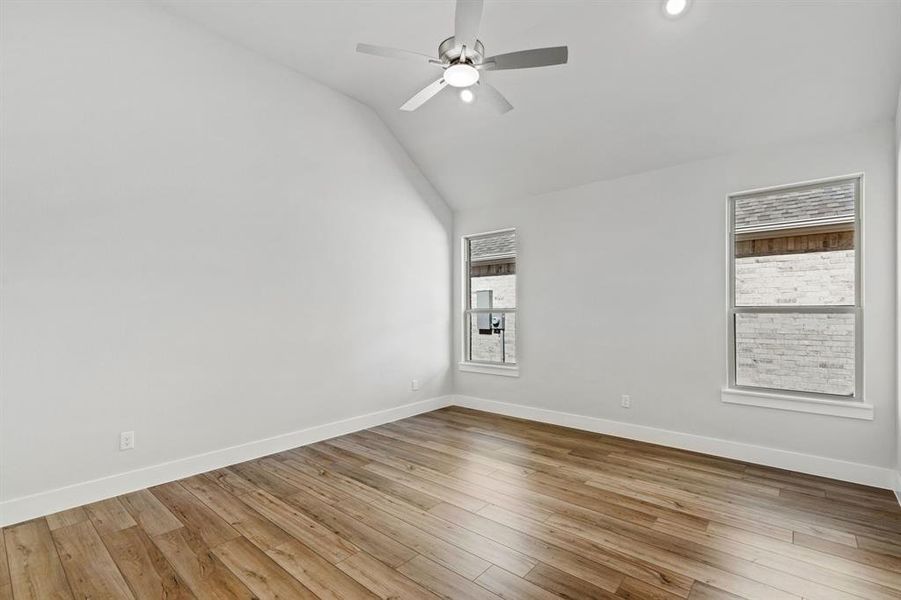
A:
x: 640, y: 91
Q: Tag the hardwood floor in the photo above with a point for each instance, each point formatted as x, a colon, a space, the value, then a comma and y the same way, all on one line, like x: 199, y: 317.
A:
x: 460, y: 504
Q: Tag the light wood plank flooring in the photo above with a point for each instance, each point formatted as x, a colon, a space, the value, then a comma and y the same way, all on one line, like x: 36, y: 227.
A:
x: 461, y: 504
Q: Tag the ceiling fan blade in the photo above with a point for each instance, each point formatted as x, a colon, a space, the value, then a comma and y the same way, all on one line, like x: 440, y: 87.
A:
x: 396, y: 53
x: 466, y: 22
x: 526, y: 59
x: 488, y: 93
x: 424, y: 95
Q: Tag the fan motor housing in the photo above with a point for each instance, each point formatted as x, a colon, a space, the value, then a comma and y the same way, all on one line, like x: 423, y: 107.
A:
x: 449, y: 52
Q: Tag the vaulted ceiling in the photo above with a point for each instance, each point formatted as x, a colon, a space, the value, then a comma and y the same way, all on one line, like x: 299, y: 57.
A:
x: 640, y: 91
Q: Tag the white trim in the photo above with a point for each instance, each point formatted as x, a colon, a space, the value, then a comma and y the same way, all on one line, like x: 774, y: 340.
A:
x: 850, y: 409
x: 23, y: 508
x: 799, y: 184
x: 859, y: 284
x: 43, y: 503
x: 488, y: 233
x: 898, y: 296
x: 881, y: 477
x: 487, y: 369
x: 467, y: 310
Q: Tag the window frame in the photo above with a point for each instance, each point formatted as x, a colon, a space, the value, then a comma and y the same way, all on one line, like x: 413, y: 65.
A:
x: 478, y: 366
x: 818, y: 402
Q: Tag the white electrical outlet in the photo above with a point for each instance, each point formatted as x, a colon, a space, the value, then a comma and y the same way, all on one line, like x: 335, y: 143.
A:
x: 414, y: 385
x: 126, y: 440
x: 626, y: 401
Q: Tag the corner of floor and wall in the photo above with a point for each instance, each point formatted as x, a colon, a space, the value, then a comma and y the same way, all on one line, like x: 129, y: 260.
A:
x: 229, y: 259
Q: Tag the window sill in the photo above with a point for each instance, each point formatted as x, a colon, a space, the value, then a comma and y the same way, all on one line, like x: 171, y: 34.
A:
x: 505, y: 370
x: 849, y: 409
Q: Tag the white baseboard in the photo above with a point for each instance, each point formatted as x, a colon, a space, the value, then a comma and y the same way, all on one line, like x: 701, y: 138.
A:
x: 822, y: 466
x: 28, y: 507
x: 21, y: 509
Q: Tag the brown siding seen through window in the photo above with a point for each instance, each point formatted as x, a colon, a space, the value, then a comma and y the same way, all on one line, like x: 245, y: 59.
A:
x: 795, y: 244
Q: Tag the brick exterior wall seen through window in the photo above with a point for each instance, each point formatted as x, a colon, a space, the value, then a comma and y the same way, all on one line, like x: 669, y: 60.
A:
x: 487, y: 347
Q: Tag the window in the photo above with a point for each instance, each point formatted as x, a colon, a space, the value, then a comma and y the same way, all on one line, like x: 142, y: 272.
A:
x: 795, y: 311
x: 489, y: 302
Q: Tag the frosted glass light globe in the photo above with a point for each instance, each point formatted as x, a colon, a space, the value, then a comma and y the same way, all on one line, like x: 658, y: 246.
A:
x: 461, y: 75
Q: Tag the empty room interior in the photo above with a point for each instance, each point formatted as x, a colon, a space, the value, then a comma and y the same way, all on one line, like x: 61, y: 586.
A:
x: 461, y: 299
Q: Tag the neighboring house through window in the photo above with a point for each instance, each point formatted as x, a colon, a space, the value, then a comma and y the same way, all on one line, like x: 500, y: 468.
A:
x: 489, y: 311
x: 795, y: 305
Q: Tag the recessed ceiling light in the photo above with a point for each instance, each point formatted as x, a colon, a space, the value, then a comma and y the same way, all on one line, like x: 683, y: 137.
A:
x: 674, y: 8
x: 466, y: 95
x: 461, y: 75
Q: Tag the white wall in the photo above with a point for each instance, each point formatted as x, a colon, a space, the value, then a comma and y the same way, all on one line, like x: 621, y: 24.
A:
x: 622, y: 290
x: 197, y: 245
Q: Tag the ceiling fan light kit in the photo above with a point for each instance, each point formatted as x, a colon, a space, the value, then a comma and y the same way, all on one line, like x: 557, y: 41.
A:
x: 463, y: 59
x: 461, y: 75
x: 674, y: 8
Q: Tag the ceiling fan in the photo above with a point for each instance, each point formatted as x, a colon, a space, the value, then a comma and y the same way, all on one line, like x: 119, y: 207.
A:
x: 464, y: 62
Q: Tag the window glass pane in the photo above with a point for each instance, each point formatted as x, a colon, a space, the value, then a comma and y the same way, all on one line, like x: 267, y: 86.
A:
x: 811, y: 278
x: 803, y: 352
x: 492, y: 271
x: 796, y: 246
x: 834, y: 200
x: 497, y: 342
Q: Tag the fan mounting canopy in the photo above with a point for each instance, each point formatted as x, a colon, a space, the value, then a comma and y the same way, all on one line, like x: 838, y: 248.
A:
x: 449, y: 51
